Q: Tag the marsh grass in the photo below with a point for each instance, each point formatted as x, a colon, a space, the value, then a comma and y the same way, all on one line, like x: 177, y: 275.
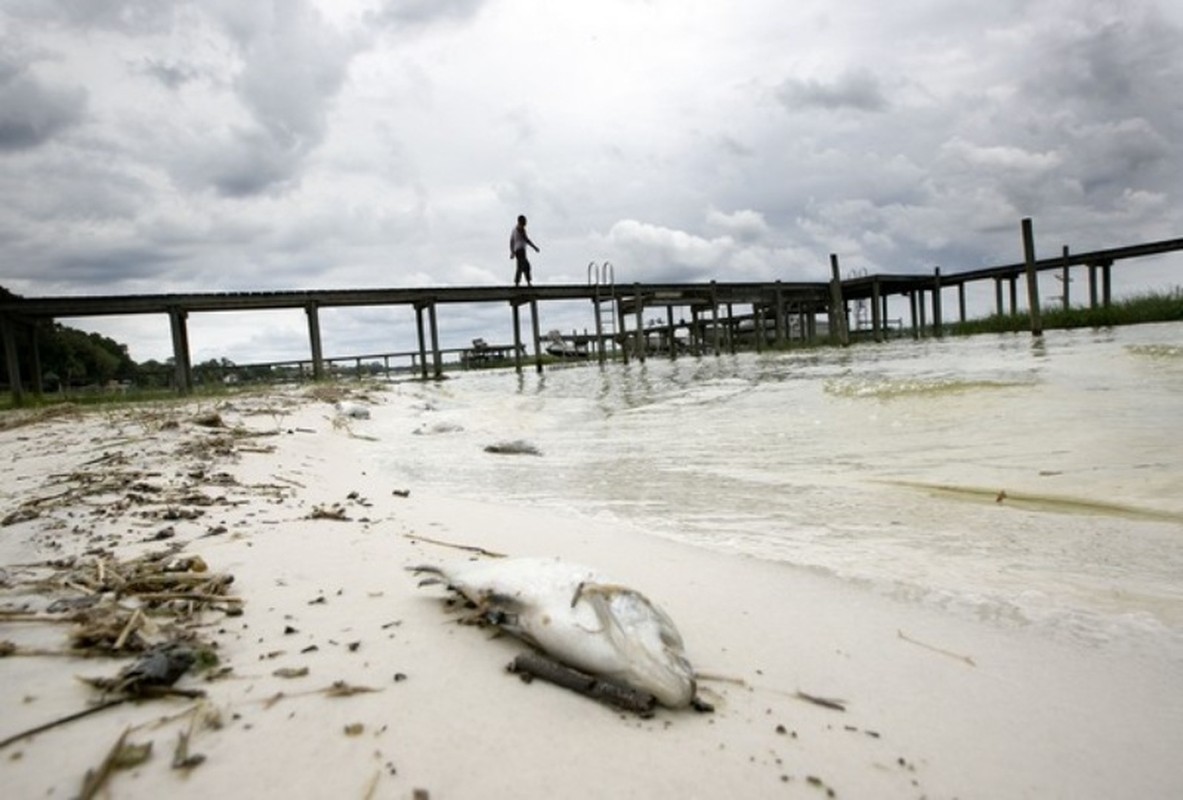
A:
x: 1134, y: 310
x: 164, y: 401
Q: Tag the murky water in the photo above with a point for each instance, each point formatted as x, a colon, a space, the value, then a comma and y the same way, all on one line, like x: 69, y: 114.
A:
x: 1029, y: 482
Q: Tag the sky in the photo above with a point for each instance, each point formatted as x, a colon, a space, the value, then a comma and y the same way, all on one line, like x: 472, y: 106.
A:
x: 238, y: 145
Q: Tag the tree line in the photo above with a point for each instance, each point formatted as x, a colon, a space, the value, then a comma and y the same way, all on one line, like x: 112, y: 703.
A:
x: 73, y: 359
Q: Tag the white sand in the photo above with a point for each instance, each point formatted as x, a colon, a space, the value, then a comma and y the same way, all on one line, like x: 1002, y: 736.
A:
x: 956, y: 709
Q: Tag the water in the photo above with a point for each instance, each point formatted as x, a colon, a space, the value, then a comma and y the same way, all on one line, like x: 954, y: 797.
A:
x: 1026, y: 482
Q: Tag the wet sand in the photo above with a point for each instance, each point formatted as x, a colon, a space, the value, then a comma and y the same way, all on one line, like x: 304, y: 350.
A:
x: 337, y: 676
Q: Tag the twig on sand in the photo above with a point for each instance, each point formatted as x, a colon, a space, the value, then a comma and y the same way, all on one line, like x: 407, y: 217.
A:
x: 824, y: 702
x: 468, y: 548
x: 94, y: 780
x: 121, y: 756
x: 372, y: 786
x: 535, y: 665
x: 935, y: 649
x: 136, y: 617
x: 86, y: 712
x: 337, y: 689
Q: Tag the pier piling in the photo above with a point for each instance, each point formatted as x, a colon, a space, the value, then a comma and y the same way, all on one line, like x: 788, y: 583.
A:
x: 1032, y: 278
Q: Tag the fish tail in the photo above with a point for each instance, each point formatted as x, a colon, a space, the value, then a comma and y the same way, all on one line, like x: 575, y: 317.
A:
x: 436, y: 574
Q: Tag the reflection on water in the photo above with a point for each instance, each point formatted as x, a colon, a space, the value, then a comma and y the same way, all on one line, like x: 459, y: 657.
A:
x: 1028, y: 481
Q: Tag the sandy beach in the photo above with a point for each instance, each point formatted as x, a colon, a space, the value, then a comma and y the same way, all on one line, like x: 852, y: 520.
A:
x: 336, y: 675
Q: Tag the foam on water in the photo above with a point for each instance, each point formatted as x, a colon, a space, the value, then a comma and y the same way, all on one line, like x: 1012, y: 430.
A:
x: 1026, y: 482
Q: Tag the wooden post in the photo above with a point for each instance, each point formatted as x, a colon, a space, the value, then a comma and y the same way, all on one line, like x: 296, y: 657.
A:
x: 922, y: 306
x: 422, y: 340
x: 8, y: 330
x: 517, y: 335
x: 758, y: 326
x: 537, y: 335
x: 837, y: 305
x: 715, y: 332
x: 915, y: 314
x: 1092, y: 285
x: 1065, y: 277
x: 876, y: 311
x: 34, y: 334
x: 961, y: 301
x: 1014, y: 295
x: 998, y: 296
x: 600, y: 354
x: 182, y: 370
x: 781, y: 334
x: 937, y: 319
x: 1106, y: 283
x: 436, y: 356
x: 318, y: 371
x: 1032, y: 278
x: 642, y: 345
x: 669, y: 321
x: 622, y: 330
x: 731, y: 328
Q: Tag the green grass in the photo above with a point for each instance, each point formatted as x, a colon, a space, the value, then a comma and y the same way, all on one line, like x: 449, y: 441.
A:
x: 1135, y: 310
x: 96, y: 399
x: 329, y: 390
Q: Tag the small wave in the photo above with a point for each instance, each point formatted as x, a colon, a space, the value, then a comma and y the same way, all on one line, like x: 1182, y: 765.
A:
x: 1163, y: 351
x: 894, y: 388
x: 1041, y: 502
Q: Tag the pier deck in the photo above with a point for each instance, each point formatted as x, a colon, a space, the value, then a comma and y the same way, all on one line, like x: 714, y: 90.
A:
x: 781, y: 306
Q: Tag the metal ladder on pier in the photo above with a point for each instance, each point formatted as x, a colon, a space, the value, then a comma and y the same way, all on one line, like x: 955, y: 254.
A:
x: 602, y: 279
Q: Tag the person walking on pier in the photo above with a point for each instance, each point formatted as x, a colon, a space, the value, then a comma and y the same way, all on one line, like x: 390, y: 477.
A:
x: 518, y: 239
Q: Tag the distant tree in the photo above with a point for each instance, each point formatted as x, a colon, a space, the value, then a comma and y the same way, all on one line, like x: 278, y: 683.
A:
x: 72, y: 357
x: 154, y: 375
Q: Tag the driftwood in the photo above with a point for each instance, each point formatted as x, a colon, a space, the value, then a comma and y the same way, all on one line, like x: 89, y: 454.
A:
x: 824, y: 702
x: 942, y: 651
x: 535, y: 665
x: 86, y: 712
x: 469, y: 548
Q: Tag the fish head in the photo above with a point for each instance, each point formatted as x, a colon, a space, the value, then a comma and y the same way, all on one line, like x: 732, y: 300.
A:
x: 651, y: 646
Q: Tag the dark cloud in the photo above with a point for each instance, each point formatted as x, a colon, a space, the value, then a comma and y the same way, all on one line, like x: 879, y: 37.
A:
x: 32, y: 113
x: 399, y: 14
x: 857, y: 90
x: 241, y: 163
x: 294, y: 64
x: 1109, y: 66
x: 171, y: 74
x: 117, y: 263
x: 121, y: 15
x: 1100, y: 95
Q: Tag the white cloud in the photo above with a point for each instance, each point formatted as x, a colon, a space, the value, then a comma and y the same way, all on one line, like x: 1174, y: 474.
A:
x: 745, y: 224
x: 1001, y: 157
x: 854, y: 89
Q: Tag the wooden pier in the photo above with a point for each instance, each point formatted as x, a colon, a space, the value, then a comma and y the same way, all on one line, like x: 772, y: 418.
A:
x: 775, y: 309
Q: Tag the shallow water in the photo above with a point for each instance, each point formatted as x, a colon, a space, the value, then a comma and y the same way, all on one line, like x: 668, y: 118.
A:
x: 1027, y: 482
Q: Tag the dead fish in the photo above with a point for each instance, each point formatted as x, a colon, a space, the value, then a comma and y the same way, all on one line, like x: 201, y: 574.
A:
x: 518, y: 447
x: 352, y: 410
x: 579, y: 617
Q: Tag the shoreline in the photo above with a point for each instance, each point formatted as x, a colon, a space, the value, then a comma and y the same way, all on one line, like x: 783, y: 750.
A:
x: 317, y: 544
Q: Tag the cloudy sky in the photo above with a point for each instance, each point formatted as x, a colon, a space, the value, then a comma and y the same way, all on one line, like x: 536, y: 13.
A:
x: 227, y: 145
